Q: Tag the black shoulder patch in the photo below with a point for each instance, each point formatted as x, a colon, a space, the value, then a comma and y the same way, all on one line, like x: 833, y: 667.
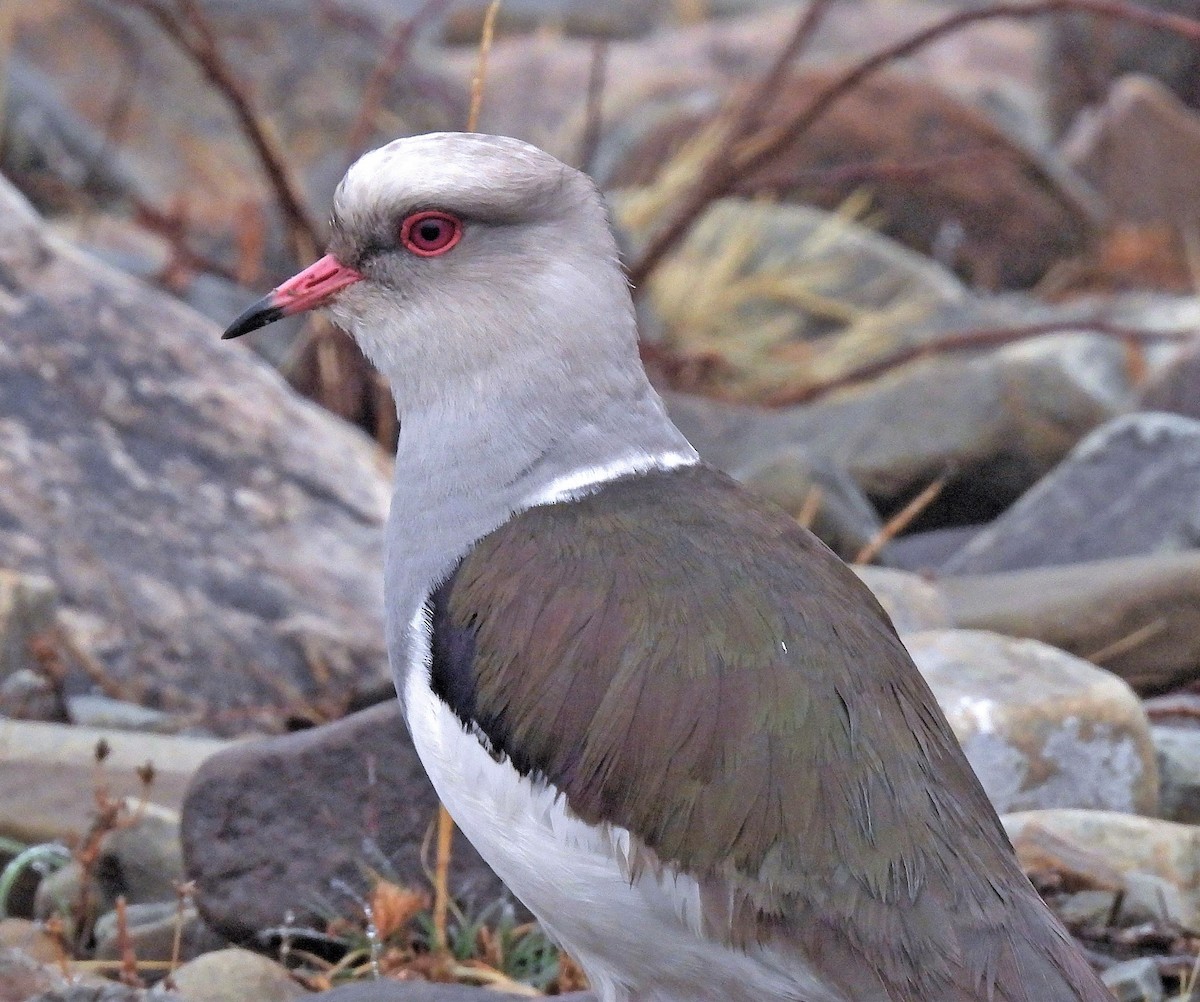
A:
x: 452, y: 653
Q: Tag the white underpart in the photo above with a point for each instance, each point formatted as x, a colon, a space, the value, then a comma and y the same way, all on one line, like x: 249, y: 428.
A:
x: 639, y: 940
x: 577, y: 483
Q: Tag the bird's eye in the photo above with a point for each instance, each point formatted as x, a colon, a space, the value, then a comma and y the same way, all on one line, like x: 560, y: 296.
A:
x: 430, y: 233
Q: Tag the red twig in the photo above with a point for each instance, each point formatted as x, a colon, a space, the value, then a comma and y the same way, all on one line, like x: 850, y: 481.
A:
x: 970, y: 340
x: 723, y: 170
x: 185, y: 26
x: 385, y: 70
x: 594, y: 108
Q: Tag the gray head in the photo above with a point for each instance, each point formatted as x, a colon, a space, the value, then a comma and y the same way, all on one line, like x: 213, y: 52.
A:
x: 467, y: 259
x: 535, y: 251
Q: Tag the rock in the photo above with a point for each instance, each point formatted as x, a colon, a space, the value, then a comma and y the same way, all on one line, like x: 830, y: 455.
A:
x: 1174, y: 386
x: 1178, y: 754
x: 268, y: 826
x: 1140, y: 151
x: 997, y: 210
x: 31, y: 939
x: 1138, y: 617
x: 925, y: 552
x: 22, y: 977
x: 387, y: 990
x: 152, y: 929
x: 910, y: 601
x: 27, y: 615
x: 108, y: 991
x: 118, y: 714
x: 139, y: 860
x: 1158, y: 860
x: 48, y: 775
x: 1042, y: 729
x: 1085, y: 54
x: 997, y: 421
x: 535, y: 82
x: 1134, y: 981
x: 806, y: 283
x: 30, y: 695
x: 235, y: 975
x: 189, y: 505
x: 1129, y: 488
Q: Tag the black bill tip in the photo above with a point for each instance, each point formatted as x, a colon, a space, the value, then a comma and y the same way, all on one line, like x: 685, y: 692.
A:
x: 258, y: 315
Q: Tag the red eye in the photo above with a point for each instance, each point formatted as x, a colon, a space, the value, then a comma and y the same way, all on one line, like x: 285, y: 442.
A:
x: 430, y: 233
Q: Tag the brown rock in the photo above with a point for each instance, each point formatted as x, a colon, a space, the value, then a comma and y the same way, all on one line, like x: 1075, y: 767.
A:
x: 943, y: 176
x: 235, y: 975
x: 1140, y: 151
x: 1136, y: 616
x: 1159, y: 861
x: 269, y: 825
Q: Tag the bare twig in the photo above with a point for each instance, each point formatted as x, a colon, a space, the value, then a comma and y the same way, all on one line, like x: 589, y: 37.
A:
x: 899, y: 522
x: 185, y: 25
x: 129, y: 965
x: 733, y: 164
x: 970, y: 340
x: 385, y: 70
x: 594, y: 109
x: 441, y: 883
x: 485, y: 47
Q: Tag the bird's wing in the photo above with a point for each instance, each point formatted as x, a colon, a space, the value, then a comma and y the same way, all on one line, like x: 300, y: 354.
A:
x: 686, y: 662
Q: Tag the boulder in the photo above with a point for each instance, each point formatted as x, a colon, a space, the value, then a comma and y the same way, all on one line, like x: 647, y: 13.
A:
x: 235, y: 975
x: 1130, y: 488
x: 1042, y: 729
x: 215, y: 539
x: 274, y: 828
x: 1157, y: 862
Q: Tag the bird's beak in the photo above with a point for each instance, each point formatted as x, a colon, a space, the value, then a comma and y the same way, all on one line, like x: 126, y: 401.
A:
x: 313, y: 287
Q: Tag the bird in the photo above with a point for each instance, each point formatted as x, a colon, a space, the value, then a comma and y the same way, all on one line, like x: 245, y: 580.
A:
x: 681, y: 730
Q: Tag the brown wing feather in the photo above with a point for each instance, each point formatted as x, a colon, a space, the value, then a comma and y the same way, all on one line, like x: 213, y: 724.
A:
x: 686, y: 662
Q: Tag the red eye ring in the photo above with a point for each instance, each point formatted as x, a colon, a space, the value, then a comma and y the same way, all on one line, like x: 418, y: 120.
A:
x: 430, y: 233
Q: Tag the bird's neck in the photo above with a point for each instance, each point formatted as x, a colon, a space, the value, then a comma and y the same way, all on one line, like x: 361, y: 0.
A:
x: 466, y: 463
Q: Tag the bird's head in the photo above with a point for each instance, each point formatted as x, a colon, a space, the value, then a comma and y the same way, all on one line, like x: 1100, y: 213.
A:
x: 458, y: 258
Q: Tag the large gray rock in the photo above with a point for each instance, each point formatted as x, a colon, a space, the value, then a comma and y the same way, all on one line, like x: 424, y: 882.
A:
x: 269, y: 826
x: 1130, y: 488
x: 216, y: 539
x: 1042, y: 729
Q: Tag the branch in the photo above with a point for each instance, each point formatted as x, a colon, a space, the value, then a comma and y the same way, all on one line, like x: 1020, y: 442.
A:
x: 970, y: 340
x: 393, y: 58
x: 186, y: 27
x: 732, y: 164
x: 717, y: 174
x: 594, y: 106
